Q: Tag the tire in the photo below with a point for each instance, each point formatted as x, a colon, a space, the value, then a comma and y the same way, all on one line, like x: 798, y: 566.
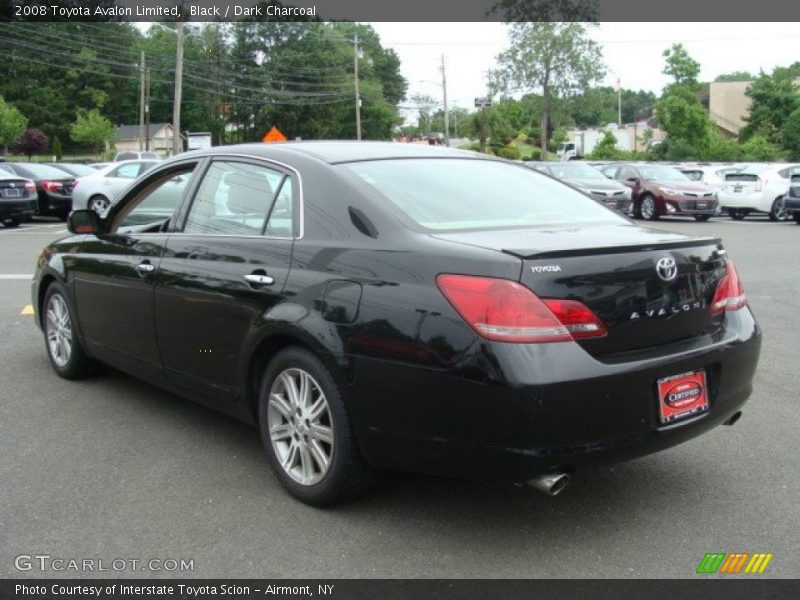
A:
x: 98, y: 203
x: 11, y: 223
x: 648, y: 208
x: 738, y: 214
x: 61, y: 341
x: 702, y: 218
x: 797, y: 218
x: 777, y: 211
x: 63, y: 217
x: 313, y: 453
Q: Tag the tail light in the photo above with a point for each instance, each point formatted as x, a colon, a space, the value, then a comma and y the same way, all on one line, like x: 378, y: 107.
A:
x: 30, y: 187
x: 730, y: 293
x: 505, y: 311
x: 51, y: 186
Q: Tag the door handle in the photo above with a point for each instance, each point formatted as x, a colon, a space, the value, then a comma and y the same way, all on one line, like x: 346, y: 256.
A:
x: 145, y: 267
x: 256, y: 279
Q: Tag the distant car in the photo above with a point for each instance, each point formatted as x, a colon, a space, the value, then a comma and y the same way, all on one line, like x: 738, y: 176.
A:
x: 759, y: 188
x: 128, y: 155
x: 589, y: 180
x: 100, y: 189
x: 658, y: 190
x: 792, y: 203
x: 99, y: 165
x: 712, y: 175
x: 17, y: 199
x: 53, y: 187
x: 76, y: 169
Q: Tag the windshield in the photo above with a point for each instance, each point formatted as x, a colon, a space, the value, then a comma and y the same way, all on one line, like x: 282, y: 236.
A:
x: 452, y: 194
x: 652, y: 173
x: 574, y: 171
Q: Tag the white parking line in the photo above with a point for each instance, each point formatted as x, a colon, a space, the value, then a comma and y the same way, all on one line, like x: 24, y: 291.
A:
x: 16, y: 276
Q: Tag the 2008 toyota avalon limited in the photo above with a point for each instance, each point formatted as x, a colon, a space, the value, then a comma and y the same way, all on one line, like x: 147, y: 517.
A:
x: 376, y: 305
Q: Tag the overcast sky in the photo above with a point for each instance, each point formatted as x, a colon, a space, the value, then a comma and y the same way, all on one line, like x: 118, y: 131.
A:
x: 632, y: 51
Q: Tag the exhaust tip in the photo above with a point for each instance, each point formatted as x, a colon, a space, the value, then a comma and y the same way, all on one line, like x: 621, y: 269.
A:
x: 735, y: 417
x: 551, y: 484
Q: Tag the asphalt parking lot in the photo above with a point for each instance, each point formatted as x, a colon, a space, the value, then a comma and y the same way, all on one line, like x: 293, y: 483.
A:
x: 113, y: 468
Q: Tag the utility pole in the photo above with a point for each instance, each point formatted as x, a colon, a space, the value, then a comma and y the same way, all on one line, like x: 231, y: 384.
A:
x: 358, y: 93
x: 141, y: 101
x: 176, y: 107
x: 446, y: 108
x: 455, y: 122
x: 147, y: 110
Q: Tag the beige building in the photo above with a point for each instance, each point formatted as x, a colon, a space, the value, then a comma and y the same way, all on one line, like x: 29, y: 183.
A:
x: 729, y: 104
x: 126, y: 139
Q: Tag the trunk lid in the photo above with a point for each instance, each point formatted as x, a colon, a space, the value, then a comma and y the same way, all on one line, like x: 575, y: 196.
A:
x: 614, y: 270
x: 742, y: 183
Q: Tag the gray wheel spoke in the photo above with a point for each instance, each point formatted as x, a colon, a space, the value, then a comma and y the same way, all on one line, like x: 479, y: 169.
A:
x: 281, y: 405
x: 305, y: 391
x: 322, y: 433
x: 306, y: 463
x: 318, y: 454
x: 318, y: 408
x: 291, y: 456
x: 292, y: 392
x: 281, y: 432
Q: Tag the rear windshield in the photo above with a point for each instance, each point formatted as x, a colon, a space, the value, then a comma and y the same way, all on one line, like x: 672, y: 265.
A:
x: 455, y: 194
x: 574, y: 171
x: 653, y: 173
x: 741, y: 177
x: 46, y: 172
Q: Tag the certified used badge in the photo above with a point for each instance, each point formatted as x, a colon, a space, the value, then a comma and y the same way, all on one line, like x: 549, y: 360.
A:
x: 682, y: 395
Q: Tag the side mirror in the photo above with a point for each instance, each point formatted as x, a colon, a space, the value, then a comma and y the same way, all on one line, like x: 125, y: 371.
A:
x: 633, y: 180
x: 84, y: 221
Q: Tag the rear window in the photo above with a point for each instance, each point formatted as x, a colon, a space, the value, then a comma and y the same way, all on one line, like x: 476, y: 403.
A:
x: 455, y: 194
x: 46, y: 172
x: 745, y: 177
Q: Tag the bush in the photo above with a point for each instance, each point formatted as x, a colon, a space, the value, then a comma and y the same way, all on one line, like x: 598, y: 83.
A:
x: 55, y: 147
x: 509, y: 152
x: 536, y: 154
x: 759, y: 149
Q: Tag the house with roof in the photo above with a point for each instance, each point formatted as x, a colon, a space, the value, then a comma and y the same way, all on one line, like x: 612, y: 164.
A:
x: 128, y: 138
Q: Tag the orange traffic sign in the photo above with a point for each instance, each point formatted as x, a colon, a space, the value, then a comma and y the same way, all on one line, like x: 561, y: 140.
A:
x: 273, y: 135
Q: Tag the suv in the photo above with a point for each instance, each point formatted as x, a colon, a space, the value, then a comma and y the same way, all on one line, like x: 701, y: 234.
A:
x: 130, y: 155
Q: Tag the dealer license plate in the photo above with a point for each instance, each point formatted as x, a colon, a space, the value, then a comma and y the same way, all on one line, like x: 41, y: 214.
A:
x: 680, y: 396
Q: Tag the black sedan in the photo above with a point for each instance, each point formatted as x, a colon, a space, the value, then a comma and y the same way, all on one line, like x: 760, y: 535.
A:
x: 53, y: 186
x: 792, y: 201
x: 376, y: 305
x: 17, y: 199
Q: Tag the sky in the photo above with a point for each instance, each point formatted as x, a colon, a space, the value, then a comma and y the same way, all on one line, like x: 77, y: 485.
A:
x: 632, y: 52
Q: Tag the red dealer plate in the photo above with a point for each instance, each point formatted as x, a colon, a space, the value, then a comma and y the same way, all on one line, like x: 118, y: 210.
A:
x: 682, y: 395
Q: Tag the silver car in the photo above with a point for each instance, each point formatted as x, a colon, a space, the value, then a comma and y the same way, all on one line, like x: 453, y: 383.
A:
x: 100, y: 190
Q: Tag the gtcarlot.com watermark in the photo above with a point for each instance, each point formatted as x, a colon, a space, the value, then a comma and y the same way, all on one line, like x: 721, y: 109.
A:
x: 59, y: 564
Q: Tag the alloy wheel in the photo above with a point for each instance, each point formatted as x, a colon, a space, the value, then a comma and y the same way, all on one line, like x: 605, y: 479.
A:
x: 58, y: 328
x: 300, y: 426
x: 648, y: 208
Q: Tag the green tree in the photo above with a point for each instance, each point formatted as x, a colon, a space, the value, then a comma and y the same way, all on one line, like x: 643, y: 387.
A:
x: 12, y: 124
x: 774, y: 98
x: 606, y: 149
x: 683, y: 69
x: 758, y: 148
x: 92, y: 129
x: 55, y: 147
x: 791, y: 135
x: 554, y: 59
x: 735, y: 76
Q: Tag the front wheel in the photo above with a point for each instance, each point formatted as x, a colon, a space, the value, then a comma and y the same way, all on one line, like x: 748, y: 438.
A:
x: 648, y: 208
x: 737, y: 214
x: 702, y: 218
x: 306, y: 431
x: 778, y: 211
x: 63, y: 346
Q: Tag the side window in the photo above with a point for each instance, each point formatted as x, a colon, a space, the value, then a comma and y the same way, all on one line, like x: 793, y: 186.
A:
x: 609, y: 172
x: 234, y: 198
x: 625, y: 173
x: 280, y: 219
x: 126, y: 171
x: 155, y: 205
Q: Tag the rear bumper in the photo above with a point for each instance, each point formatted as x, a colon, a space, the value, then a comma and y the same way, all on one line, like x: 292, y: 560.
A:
x: 16, y: 209
x: 753, y: 201
x: 56, y: 203
x: 543, y: 407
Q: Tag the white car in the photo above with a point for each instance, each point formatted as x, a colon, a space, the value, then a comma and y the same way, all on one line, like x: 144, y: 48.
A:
x: 100, y: 190
x: 712, y: 175
x: 759, y: 188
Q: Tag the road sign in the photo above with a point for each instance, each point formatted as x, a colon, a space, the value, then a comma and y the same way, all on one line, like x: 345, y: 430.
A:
x: 483, y: 102
x: 274, y: 135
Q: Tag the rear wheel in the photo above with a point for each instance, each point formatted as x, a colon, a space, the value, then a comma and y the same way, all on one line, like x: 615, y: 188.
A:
x: 63, y: 346
x: 702, y: 218
x: 648, y: 208
x: 306, y: 431
x: 11, y: 223
x: 778, y: 211
x: 737, y: 214
x: 797, y: 218
x: 99, y: 204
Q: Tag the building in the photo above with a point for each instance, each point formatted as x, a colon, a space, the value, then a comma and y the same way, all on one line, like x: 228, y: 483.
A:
x: 126, y: 139
x: 729, y: 104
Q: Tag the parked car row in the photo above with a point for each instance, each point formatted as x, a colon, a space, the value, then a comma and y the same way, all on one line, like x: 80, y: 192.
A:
x: 28, y: 189
x: 691, y: 189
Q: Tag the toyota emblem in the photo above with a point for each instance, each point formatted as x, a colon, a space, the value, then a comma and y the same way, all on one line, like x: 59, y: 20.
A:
x: 667, y: 268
